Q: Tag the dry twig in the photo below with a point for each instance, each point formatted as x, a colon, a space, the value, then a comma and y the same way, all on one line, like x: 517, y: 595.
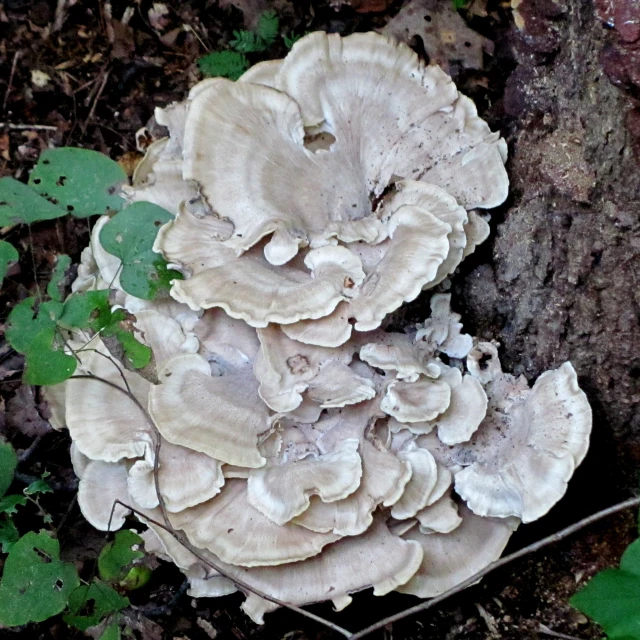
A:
x: 12, y: 73
x: 27, y: 127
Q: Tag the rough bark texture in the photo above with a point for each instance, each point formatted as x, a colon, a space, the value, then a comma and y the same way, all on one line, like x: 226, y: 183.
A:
x: 562, y: 283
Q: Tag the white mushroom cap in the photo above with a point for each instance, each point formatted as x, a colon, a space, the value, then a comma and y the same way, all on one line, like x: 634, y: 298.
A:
x: 233, y: 530
x: 101, y: 485
x: 331, y: 331
x: 417, y: 401
x: 225, y: 340
x: 442, y: 330
x: 424, y: 474
x: 396, y: 352
x: 440, y: 517
x: 104, y: 423
x: 384, y: 478
x: 283, y: 490
x: 220, y: 416
x: 56, y: 397
x: 521, y: 460
x: 245, y: 287
x: 185, y: 477
x: 338, y: 385
x: 262, y: 73
x: 285, y: 368
x: 109, y: 266
x: 451, y: 558
x: 426, y: 139
x: 163, y: 335
x: 206, y: 583
x: 477, y: 231
x: 260, y: 197
x: 466, y: 410
x: 375, y: 559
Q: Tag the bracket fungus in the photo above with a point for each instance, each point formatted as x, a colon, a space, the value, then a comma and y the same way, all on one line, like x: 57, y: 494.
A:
x: 305, y: 450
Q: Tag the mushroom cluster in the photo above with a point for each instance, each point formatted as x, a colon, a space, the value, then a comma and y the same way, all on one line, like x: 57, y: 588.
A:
x: 297, y: 444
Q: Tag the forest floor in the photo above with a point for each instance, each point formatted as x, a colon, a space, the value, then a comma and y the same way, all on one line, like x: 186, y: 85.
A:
x: 557, y: 280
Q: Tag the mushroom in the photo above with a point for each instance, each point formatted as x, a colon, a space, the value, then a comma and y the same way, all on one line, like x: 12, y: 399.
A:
x: 415, y: 122
x: 527, y: 448
x: 239, y: 534
x: 283, y: 489
x: 450, y: 558
x: 299, y: 447
x: 219, y: 415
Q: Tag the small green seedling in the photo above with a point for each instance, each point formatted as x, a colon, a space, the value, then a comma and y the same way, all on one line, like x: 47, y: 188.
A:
x: 232, y: 64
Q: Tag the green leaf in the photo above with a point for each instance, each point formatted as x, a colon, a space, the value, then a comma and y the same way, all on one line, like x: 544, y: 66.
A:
x: 8, y: 464
x: 38, y: 486
x: 8, y: 534
x: 8, y: 255
x: 9, y: 503
x: 26, y: 322
x: 459, y: 4
x: 55, y: 286
x: 136, y: 577
x: 117, y: 556
x: 21, y: 204
x: 612, y: 597
x: 225, y: 64
x: 87, y: 310
x: 90, y: 604
x: 247, y: 42
x: 35, y: 584
x: 112, y: 632
x: 130, y: 235
x: 82, y: 181
x: 138, y: 354
x: 46, y: 362
x: 268, y: 27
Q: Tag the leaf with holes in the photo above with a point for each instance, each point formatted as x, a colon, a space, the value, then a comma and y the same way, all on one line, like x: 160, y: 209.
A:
x: 130, y: 235
x: 56, y: 284
x: 98, y: 598
x: 20, y: 204
x: 80, y: 181
x: 116, y: 558
x: 612, y: 597
x: 224, y: 64
x: 8, y: 464
x: 35, y: 583
x: 8, y: 256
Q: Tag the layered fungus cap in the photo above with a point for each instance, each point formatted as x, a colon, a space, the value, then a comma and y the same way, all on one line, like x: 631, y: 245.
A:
x: 304, y: 459
x: 362, y: 194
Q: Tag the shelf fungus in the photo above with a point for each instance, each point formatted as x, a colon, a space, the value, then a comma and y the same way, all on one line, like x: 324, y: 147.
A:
x: 304, y: 450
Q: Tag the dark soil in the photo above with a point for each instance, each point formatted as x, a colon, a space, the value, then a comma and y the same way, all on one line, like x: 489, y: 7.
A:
x: 557, y: 280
